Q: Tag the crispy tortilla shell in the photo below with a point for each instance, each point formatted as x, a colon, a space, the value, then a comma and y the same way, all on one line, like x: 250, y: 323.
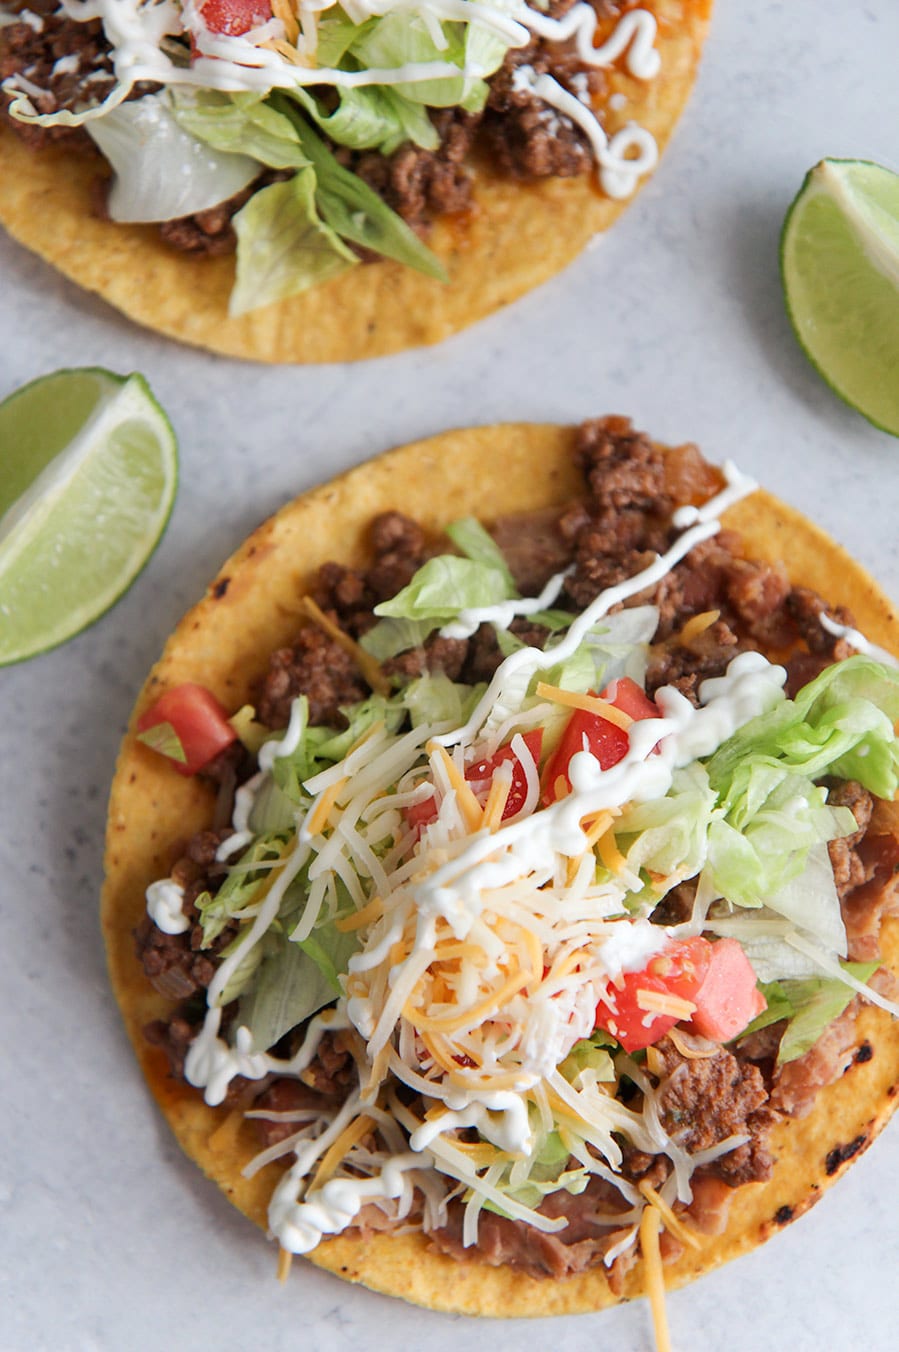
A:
x: 250, y: 609
x: 515, y: 237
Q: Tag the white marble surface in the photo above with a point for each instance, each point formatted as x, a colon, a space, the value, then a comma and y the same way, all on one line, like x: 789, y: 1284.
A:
x: 109, y: 1239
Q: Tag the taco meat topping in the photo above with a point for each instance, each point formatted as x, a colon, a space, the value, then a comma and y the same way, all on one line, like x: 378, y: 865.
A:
x: 452, y: 952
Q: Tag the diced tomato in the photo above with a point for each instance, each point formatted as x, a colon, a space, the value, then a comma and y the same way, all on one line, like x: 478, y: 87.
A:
x: 717, y: 978
x: 234, y: 17
x: 591, y: 732
x: 679, y: 970
x: 631, y: 699
x: 480, y: 776
x: 199, y: 721
x: 728, y: 998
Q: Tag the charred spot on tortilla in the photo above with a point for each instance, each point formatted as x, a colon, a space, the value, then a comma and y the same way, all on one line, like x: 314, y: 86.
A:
x: 539, y: 144
x: 755, y: 1122
x: 842, y: 1153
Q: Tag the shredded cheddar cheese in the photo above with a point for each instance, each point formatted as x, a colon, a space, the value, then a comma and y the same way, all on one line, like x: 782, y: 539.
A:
x: 670, y: 1219
x: 332, y: 1157
x: 318, y: 817
x: 591, y: 704
x: 654, y: 1277
x: 660, y: 1002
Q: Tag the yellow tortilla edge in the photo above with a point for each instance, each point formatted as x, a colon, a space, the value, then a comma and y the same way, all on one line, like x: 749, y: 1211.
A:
x: 224, y: 641
x: 515, y: 238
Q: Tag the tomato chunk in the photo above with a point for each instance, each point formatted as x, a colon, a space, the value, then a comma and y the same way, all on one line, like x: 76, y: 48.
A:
x: 198, y: 720
x: 728, y: 998
x: 234, y: 17
x: 631, y: 699
x: 587, y: 731
x: 678, y: 970
x: 480, y: 776
x: 716, y: 978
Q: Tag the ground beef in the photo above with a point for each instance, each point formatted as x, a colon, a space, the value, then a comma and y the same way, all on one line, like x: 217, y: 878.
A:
x: 849, y: 871
x: 525, y: 137
x: 33, y: 49
x: 533, y: 546
x: 348, y: 595
x: 175, y: 1034
x: 420, y: 184
x: 282, y: 1096
x: 332, y: 1072
x: 865, y: 906
x: 703, y: 1101
x: 315, y: 666
x: 438, y: 656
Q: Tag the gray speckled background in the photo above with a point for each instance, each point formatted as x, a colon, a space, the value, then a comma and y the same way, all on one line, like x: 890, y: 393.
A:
x: 109, y: 1240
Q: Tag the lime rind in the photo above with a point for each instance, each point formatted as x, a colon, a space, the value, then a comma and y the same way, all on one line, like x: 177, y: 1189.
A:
x: 839, y: 257
x: 86, y: 528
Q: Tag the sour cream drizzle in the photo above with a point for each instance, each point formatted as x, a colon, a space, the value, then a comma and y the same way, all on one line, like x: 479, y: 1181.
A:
x: 137, y: 31
x: 165, y: 899
x: 858, y: 641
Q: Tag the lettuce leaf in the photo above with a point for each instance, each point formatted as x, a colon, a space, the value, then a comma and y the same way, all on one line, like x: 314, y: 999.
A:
x: 162, y: 170
x: 283, y: 247
x: 241, y: 122
x: 242, y: 881
x: 476, y: 543
x: 293, y: 981
x: 400, y: 39
x: 810, y: 1005
x: 840, y: 724
x: 443, y: 586
x: 354, y: 210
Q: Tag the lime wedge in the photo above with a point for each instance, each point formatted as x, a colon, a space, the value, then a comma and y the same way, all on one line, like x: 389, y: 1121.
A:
x: 839, y: 259
x: 88, y: 472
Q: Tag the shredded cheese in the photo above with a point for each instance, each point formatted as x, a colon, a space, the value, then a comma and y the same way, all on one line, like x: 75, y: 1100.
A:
x: 610, y: 854
x: 591, y: 704
x: 670, y: 1220
x: 660, y: 1002
x: 469, y: 806
x: 689, y: 1049
x: 318, y: 817
x: 334, y: 1155
x: 696, y: 625
x: 367, y: 916
x: 654, y: 1277
x: 497, y: 799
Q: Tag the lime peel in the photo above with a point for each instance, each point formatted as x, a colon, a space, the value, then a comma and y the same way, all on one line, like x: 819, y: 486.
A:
x: 94, y: 461
x: 840, y: 267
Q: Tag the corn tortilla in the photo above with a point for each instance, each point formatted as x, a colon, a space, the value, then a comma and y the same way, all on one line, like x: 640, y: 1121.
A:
x: 515, y: 237
x: 250, y: 609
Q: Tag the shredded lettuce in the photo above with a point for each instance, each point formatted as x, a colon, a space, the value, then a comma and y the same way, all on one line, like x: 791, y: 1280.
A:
x: 244, y: 877
x: 283, y: 246
x: 162, y: 170
x: 809, y: 1005
x: 476, y: 543
x: 163, y: 738
x: 840, y: 724
x: 319, y: 747
x: 445, y: 585
x: 294, y: 981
